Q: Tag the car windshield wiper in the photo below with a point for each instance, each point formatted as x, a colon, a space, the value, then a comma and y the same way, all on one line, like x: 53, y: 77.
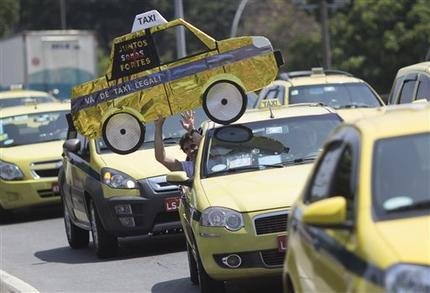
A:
x: 301, y: 160
x: 349, y: 106
x: 248, y: 168
x: 171, y: 140
x: 419, y: 205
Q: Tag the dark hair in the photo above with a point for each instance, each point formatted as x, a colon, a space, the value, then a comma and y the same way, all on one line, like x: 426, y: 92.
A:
x: 185, y: 138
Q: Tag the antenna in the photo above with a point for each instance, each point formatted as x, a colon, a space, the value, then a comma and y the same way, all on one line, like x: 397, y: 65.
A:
x: 271, y: 112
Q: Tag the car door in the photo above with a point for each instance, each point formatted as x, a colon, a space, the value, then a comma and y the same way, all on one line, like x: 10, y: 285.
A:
x: 186, y: 75
x: 423, y: 90
x: 323, y: 247
x: 407, y: 91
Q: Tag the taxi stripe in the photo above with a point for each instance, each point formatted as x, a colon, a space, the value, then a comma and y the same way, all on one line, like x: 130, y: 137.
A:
x: 320, y: 240
x: 84, y: 166
x: 168, y: 75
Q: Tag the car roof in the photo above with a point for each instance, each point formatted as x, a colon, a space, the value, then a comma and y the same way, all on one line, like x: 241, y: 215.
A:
x: 22, y: 93
x: 396, y: 120
x: 322, y: 79
x: 296, y: 110
x: 422, y: 67
x: 35, y: 108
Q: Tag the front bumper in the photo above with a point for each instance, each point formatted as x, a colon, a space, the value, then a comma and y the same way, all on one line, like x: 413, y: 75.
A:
x: 28, y: 193
x: 261, y: 255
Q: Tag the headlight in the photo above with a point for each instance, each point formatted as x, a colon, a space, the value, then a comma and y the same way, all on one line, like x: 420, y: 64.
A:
x: 10, y: 171
x: 408, y: 278
x: 222, y: 217
x: 117, y: 179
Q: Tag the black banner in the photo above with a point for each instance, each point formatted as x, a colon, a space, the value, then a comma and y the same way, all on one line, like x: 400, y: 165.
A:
x: 133, y: 56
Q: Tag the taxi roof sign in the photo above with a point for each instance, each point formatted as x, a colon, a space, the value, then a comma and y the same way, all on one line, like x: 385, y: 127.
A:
x: 146, y: 20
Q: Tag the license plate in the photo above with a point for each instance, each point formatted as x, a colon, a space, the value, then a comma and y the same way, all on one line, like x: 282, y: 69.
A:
x: 171, y: 204
x: 55, y: 188
x: 282, y: 243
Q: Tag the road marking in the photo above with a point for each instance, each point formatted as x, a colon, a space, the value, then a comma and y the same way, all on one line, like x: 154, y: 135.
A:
x: 11, y: 284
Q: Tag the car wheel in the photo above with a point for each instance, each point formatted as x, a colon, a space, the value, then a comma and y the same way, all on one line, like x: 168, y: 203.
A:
x: 123, y: 133
x: 206, y: 283
x: 192, y: 265
x: 224, y: 102
x: 77, y: 237
x: 105, y: 244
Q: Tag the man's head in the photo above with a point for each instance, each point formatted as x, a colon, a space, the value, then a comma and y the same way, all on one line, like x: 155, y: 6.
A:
x: 189, y: 146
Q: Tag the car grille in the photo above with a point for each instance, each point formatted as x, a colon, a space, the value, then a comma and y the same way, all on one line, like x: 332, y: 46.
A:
x: 47, y: 172
x: 47, y: 193
x: 271, y: 223
x: 272, y: 258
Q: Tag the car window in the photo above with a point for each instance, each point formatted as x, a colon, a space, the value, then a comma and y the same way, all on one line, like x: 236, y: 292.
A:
x: 270, y: 143
x: 20, y: 101
x: 423, y: 91
x: 395, y: 91
x: 407, y: 93
x: 165, y: 42
x: 271, y: 92
x: 321, y: 183
x: 347, y: 95
x: 33, y: 128
x: 400, y: 175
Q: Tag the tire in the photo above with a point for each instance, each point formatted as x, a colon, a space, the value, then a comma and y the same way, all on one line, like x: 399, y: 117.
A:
x: 123, y: 133
x: 192, y: 265
x: 105, y: 244
x: 77, y: 237
x: 224, y: 102
x: 206, y: 283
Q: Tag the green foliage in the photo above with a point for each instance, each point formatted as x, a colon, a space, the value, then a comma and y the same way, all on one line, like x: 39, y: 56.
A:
x: 9, y: 15
x: 373, y: 39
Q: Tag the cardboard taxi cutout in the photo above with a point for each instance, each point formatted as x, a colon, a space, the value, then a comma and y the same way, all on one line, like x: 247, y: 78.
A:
x: 138, y: 86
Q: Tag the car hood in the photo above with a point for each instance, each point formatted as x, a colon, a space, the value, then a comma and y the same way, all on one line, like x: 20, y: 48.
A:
x: 142, y: 163
x: 350, y: 115
x: 37, y: 152
x: 409, y: 238
x: 258, y: 190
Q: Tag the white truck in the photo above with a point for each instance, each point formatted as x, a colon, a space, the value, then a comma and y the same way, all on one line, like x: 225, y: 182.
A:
x: 48, y: 60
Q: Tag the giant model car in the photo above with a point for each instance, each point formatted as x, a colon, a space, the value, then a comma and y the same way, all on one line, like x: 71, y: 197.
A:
x: 144, y: 81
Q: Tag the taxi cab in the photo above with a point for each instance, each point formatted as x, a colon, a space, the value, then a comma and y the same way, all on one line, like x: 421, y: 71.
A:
x: 20, y: 97
x: 113, y: 195
x: 352, y: 97
x: 28, y: 177
x: 145, y: 81
x: 362, y: 222
x: 247, y: 175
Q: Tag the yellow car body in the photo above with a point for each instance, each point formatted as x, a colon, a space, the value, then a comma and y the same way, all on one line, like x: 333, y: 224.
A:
x: 411, y: 84
x: 30, y: 154
x: 150, y: 87
x: 261, y: 196
x: 352, y: 97
x: 18, y: 97
x: 362, y: 223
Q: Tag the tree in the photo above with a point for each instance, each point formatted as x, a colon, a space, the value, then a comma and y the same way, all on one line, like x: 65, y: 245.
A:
x: 373, y: 39
x: 9, y: 16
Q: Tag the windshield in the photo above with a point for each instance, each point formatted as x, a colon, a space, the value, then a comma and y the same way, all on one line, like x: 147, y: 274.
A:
x: 266, y: 144
x: 20, y: 101
x: 401, y: 176
x: 172, y: 131
x: 345, y: 95
x: 33, y: 128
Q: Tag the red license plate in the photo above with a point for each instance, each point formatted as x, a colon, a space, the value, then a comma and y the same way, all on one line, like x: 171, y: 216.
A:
x: 282, y: 243
x: 171, y: 204
x: 55, y: 188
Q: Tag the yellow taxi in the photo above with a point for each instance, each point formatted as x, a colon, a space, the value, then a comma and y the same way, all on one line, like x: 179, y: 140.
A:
x: 20, y: 97
x: 411, y: 84
x: 144, y: 80
x: 362, y: 223
x: 30, y: 154
x: 352, y: 97
x: 247, y: 175
x: 111, y: 195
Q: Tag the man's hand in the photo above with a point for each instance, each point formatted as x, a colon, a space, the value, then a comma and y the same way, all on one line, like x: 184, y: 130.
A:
x: 187, y: 120
x: 159, y: 122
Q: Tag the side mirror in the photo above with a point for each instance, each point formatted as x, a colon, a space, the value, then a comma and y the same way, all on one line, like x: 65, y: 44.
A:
x: 327, y: 213
x: 72, y: 145
x: 180, y: 178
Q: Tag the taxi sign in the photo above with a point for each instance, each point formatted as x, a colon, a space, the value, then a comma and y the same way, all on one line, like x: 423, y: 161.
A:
x: 146, y: 20
x: 269, y: 103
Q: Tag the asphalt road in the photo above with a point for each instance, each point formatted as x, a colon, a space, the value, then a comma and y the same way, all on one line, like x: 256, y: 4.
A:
x: 34, y: 248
